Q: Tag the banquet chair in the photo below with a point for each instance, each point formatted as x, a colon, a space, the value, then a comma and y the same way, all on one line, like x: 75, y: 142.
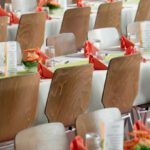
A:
x: 90, y: 122
x: 69, y: 94
x: 121, y: 85
x: 102, y: 35
x: 64, y: 43
x: 76, y: 21
x: 109, y: 15
x: 8, y: 1
x: 50, y: 136
x: 3, y: 29
x: 134, y: 28
x: 31, y: 30
x: 18, y: 105
x: 143, y: 11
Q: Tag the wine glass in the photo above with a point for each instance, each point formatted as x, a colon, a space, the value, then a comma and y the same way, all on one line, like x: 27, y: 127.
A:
x: 93, y: 141
x: 50, y: 52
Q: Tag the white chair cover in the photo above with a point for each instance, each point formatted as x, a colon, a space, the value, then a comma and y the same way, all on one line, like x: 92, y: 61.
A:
x: 109, y: 37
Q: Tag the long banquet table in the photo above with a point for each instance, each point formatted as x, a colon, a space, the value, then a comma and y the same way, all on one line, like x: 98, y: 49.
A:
x: 97, y: 90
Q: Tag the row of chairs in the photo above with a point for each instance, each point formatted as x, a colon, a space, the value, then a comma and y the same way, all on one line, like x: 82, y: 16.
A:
x: 54, y: 132
x: 31, y: 31
x: 68, y: 95
x: 53, y: 135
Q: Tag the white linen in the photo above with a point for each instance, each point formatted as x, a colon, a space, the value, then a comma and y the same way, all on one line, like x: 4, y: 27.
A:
x: 24, y: 6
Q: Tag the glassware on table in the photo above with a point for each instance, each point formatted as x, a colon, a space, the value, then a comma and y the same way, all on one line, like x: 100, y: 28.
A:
x: 101, y: 55
x: 50, y: 52
x: 97, y: 43
x: 93, y: 141
x: 46, y: 10
x: 148, y: 123
x: 133, y: 37
x: 8, y: 7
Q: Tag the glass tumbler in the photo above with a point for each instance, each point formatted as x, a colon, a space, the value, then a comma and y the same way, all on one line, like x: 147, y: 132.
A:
x: 8, y: 7
x: 93, y: 141
x: 50, y: 52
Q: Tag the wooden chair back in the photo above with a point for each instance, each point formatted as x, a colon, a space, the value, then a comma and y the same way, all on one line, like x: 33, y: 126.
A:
x: 3, y: 29
x: 76, y: 21
x: 50, y: 136
x: 90, y: 122
x: 109, y: 15
x: 64, y: 43
x: 18, y: 104
x: 69, y: 94
x: 121, y: 85
x: 143, y: 11
x: 31, y: 30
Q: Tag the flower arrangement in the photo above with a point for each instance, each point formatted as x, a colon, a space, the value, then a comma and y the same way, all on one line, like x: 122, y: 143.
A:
x: 32, y: 57
x: 51, y: 4
x: 141, y: 138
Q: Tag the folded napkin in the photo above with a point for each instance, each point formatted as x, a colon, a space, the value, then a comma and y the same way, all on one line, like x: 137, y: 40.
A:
x: 130, y: 50
x: 3, y: 12
x: 44, y: 72
x: 110, y: 1
x: 77, y: 144
x: 97, y: 64
x: 13, y: 18
x: 42, y: 56
x: 125, y: 43
x: 80, y: 3
x: 89, y: 49
x: 140, y: 126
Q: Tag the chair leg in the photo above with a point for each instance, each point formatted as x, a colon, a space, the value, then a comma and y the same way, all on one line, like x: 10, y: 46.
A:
x: 142, y: 113
x: 9, y: 145
x: 128, y: 119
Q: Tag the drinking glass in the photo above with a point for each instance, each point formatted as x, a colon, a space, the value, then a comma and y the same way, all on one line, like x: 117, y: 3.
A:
x: 8, y: 7
x: 46, y: 10
x: 148, y: 122
x: 133, y: 37
x: 97, y: 43
x: 93, y: 141
x: 50, y: 52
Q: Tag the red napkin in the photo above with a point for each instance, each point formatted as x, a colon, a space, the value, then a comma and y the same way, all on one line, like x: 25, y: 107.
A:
x: 89, y: 49
x: 110, y: 1
x: 3, y: 12
x: 130, y: 50
x: 44, y: 72
x: 98, y: 65
x: 38, y: 9
x: 80, y: 3
x: 77, y: 144
x: 140, y: 126
x: 125, y: 43
x: 13, y: 18
x: 42, y: 55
